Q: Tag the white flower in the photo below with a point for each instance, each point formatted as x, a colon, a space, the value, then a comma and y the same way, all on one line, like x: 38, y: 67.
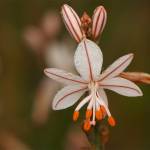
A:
x: 88, y: 62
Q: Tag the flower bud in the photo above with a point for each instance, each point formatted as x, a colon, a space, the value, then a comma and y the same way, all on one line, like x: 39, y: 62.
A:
x: 72, y: 22
x: 99, y: 21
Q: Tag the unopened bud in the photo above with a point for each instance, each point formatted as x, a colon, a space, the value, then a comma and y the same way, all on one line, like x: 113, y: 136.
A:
x: 99, y: 21
x: 72, y: 22
x: 140, y: 77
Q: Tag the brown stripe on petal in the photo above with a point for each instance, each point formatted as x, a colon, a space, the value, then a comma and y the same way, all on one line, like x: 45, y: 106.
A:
x: 99, y: 21
x: 77, y: 19
x: 94, y: 34
x: 115, y: 68
x: 121, y: 86
x: 66, y: 78
x: 69, y: 95
x: 88, y: 59
x: 105, y: 19
x: 75, y: 34
x: 69, y: 30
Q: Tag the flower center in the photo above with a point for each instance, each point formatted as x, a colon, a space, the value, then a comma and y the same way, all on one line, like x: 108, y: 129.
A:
x: 93, y: 86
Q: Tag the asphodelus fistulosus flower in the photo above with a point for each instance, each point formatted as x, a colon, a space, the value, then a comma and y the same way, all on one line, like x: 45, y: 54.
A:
x: 88, y: 60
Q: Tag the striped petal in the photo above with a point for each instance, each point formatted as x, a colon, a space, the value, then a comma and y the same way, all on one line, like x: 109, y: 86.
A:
x: 64, y: 77
x: 99, y: 21
x: 122, y: 86
x: 103, y: 95
x: 68, y: 96
x: 72, y: 22
x: 117, y: 67
x: 88, y: 60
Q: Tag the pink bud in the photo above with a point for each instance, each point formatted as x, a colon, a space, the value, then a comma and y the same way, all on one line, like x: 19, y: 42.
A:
x: 72, y: 22
x: 99, y: 21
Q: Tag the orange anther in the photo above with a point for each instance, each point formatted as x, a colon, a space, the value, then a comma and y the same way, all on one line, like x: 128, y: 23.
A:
x: 87, y: 125
x: 103, y: 110
x: 75, y: 115
x: 88, y: 113
x: 111, y: 121
x: 99, y: 114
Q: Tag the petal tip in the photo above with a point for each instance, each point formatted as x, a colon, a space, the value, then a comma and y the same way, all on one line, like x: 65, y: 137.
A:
x: 131, y: 54
x: 64, y: 5
x: 140, y: 92
x: 102, y: 7
x: 46, y: 71
x: 54, y: 107
x: 99, y: 8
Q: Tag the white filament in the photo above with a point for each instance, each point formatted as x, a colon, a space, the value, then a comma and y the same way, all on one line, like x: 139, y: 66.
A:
x: 101, y: 102
x: 83, y: 102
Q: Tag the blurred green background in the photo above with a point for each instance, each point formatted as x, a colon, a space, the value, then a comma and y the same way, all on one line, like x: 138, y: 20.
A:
x: 21, y: 71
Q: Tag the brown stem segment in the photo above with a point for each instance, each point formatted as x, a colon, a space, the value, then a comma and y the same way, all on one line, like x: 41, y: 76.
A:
x: 139, y: 77
x: 98, y: 136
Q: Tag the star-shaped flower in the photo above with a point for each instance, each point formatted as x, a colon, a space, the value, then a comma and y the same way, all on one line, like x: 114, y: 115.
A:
x: 88, y: 61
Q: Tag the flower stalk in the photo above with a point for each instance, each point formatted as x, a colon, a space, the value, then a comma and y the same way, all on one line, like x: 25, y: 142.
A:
x: 98, y: 137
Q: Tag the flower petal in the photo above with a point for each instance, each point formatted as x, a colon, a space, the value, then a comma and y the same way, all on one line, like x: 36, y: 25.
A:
x: 103, y: 95
x: 99, y: 21
x: 67, y: 96
x: 117, y: 67
x: 64, y: 77
x: 88, y: 59
x: 122, y: 86
x: 72, y: 22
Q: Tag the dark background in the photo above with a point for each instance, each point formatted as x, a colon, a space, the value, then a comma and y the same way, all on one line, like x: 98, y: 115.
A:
x: 127, y: 30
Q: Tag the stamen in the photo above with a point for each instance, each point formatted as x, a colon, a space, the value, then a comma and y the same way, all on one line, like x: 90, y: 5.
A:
x: 101, y: 102
x: 94, y: 112
x: 88, y: 113
x: 111, y: 121
x: 83, y: 102
x: 75, y: 115
x: 90, y: 105
x: 99, y: 114
x: 103, y: 110
x: 87, y: 125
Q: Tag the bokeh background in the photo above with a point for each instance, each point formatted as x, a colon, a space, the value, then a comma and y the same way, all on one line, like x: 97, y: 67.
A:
x: 32, y: 37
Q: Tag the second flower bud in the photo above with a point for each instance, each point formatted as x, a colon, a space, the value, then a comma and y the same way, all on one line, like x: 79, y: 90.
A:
x: 98, y: 21
x: 72, y: 22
